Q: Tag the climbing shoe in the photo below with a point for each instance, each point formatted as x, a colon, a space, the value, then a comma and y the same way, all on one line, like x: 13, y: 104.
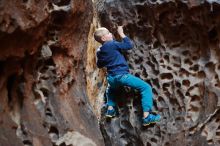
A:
x: 110, y: 113
x: 151, y: 119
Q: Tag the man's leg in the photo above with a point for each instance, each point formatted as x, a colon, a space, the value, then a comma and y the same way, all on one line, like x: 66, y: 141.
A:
x: 143, y: 87
x: 146, y: 94
x: 110, y: 94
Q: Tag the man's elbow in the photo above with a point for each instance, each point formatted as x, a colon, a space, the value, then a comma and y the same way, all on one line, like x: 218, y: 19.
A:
x: 130, y: 45
x: 99, y: 65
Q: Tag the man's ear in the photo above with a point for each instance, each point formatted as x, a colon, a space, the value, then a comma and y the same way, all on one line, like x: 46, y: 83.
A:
x: 103, y: 39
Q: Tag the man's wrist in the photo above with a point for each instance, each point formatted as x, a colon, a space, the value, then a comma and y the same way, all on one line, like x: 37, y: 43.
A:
x: 122, y: 35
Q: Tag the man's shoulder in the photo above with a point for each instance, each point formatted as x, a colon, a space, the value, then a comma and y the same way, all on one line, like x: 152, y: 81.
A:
x: 109, y: 44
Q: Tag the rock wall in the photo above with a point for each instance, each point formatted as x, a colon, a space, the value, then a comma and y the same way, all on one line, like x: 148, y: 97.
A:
x: 176, y: 50
x: 95, y: 77
x: 51, y: 91
x: 43, y: 99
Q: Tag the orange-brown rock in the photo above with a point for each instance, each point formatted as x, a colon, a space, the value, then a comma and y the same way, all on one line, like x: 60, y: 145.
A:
x: 51, y: 91
x: 42, y: 77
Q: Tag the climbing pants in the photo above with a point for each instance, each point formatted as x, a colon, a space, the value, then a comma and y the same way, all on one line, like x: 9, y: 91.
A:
x: 129, y: 80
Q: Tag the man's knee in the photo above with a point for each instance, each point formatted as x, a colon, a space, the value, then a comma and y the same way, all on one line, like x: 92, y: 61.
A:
x: 147, y: 87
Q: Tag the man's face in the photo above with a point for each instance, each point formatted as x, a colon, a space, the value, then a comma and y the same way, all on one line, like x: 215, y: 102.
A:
x: 107, y: 36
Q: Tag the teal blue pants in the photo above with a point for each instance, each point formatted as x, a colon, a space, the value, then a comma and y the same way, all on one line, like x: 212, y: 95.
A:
x: 129, y: 80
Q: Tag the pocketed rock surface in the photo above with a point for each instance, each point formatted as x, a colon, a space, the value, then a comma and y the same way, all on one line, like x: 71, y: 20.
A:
x: 51, y: 92
x: 43, y: 100
x: 177, y: 52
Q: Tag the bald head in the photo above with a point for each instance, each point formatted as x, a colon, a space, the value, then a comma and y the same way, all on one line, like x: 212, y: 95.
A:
x: 99, y: 33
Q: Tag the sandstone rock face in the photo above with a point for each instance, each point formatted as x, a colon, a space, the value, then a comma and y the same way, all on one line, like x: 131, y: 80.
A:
x: 51, y: 89
x: 43, y: 98
x: 176, y: 50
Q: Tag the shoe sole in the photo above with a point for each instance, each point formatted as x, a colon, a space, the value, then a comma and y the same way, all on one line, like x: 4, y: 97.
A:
x: 150, y: 123
x: 109, y: 116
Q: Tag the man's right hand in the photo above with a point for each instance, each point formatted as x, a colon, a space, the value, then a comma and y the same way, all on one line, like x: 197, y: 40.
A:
x: 121, y: 31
